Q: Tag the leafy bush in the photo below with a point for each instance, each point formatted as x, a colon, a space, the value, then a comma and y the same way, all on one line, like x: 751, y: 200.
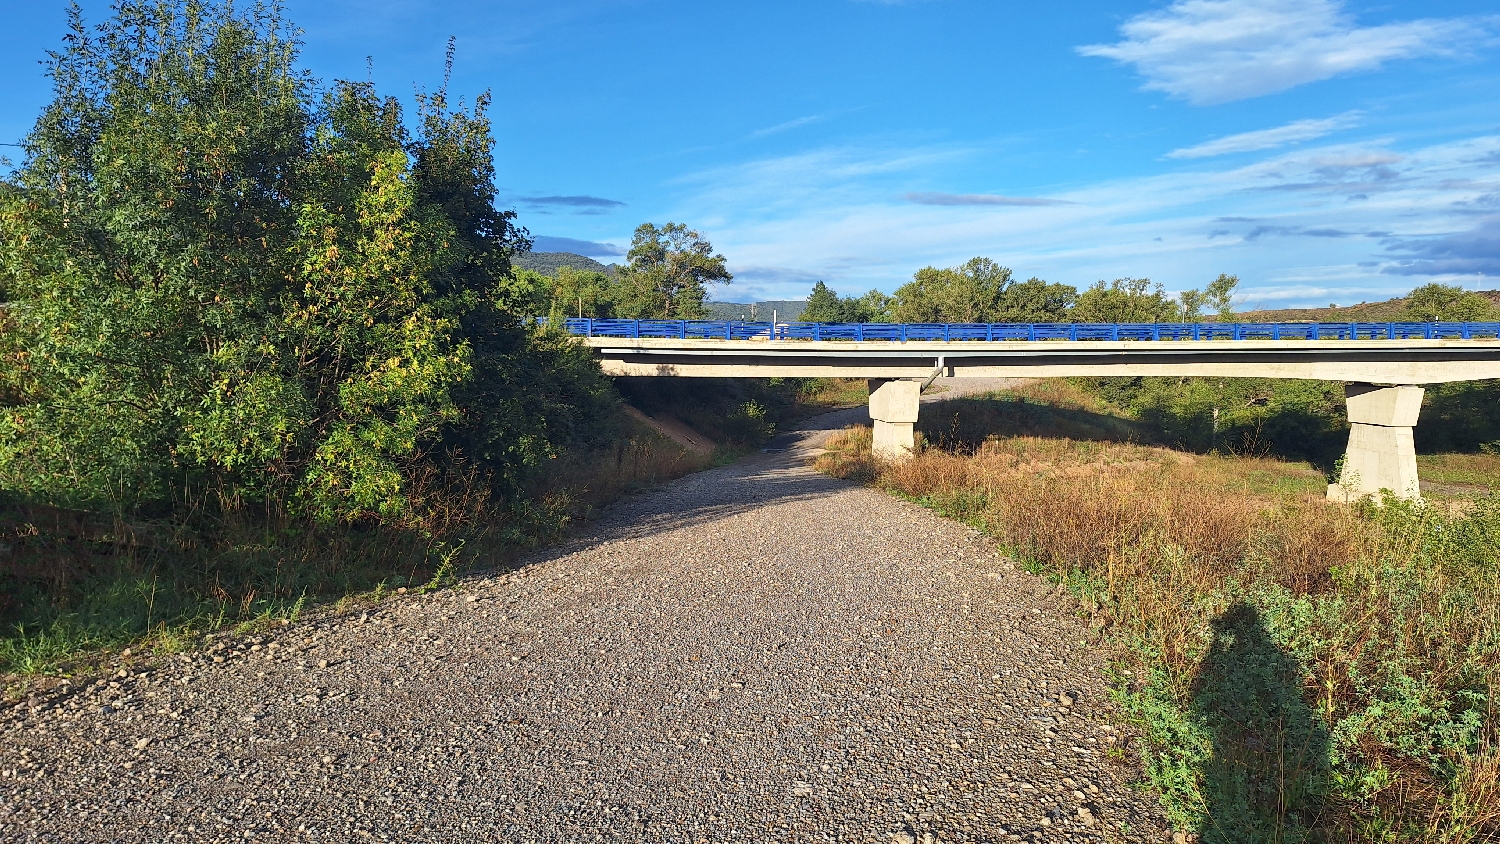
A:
x: 222, y: 282
x: 261, y: 339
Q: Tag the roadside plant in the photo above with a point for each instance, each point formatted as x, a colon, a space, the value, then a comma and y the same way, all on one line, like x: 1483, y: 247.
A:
x: 225, y: 280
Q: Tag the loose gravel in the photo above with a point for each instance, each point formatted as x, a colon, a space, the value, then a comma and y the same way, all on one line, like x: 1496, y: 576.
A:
x: 753, y: 653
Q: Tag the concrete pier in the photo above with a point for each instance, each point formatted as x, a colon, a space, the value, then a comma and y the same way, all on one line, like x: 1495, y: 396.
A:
x: 893, y: 408
x: 1381, y: 453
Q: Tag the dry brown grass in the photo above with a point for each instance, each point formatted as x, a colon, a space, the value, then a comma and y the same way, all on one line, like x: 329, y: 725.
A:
x: 73, y: 582
x: 1387, y: 613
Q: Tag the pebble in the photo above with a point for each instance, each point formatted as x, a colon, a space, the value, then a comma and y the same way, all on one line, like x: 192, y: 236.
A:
x: 752, y: 653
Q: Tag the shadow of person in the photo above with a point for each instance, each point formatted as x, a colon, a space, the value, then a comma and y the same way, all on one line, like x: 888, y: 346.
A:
x: 1269, y: 771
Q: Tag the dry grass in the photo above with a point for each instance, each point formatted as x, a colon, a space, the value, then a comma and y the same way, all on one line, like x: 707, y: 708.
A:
x: 1476, y: 470
x: 73, y: 583
x: 1381, y: 620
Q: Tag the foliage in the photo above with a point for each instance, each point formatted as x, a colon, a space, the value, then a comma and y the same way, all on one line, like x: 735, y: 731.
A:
x: 824, y: 305
x: 250, y: 317
x: 983, y: 291
x: 1125, y: 300
x: 970, y: 293
x: 1448, y: 303
x: 740, y: 413
x: 1298, y: 670
x: 577, y: 293
x: 1218, y: 297
x: 668, y: 275
x: 1034, y: 300
x: 1299, y: 420
x: 222, y: 281
x: 1460, y: 416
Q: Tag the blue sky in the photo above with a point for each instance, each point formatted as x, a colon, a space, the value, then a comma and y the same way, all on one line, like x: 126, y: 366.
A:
x: 1324, y: 151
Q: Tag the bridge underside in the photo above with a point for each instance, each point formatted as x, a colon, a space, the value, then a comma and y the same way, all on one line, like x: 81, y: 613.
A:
x: 1382, y: 376
x: 1369, y: 361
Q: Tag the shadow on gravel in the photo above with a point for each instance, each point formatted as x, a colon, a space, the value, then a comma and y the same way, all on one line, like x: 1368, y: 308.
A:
x: 1269, y: 770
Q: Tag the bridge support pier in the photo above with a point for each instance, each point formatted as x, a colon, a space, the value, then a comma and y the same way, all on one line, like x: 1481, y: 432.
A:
x: 1381, y: 454
x: 893, y: 409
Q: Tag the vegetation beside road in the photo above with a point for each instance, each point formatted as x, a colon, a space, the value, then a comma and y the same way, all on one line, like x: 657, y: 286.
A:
x: 263, y: 345
x: 1297, y: 670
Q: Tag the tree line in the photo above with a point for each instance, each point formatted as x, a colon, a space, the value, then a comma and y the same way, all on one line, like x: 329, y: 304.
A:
x: 982, y: 291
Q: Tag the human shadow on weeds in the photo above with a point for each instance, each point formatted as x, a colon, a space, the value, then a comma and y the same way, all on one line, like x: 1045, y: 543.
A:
x: 1269, y: 773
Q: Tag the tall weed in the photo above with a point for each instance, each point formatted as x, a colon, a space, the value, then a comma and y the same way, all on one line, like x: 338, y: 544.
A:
x: 1301, y: 670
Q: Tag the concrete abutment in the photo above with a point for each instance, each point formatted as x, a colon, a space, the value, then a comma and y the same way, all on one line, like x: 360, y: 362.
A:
x: 894, y: 404
x: 1381, y: 453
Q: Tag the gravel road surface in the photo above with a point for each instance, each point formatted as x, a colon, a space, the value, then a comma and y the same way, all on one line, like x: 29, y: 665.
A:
x: 754, y: 653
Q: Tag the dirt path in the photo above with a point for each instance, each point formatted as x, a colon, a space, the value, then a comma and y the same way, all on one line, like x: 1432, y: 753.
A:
x: 754, y: 653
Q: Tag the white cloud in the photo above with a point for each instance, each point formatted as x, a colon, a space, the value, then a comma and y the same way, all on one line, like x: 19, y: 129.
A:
x: 782, y: 127
x: 836, y: 214
x: 1217, y: 51
x: 930, y: 198
x: 1291, y: 133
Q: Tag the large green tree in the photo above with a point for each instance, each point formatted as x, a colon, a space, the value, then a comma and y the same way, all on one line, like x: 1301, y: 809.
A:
x: 223, y: 279
x: 1125, y: 300
x: 1448, y: 303
x: 669, y: 273
x: 824, y: 305
x: 1217, y: 297
x: 969, y: 293
x: 980, y: 291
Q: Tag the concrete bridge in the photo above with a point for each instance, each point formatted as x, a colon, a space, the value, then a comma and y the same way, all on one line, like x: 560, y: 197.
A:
x: 1384, y: 366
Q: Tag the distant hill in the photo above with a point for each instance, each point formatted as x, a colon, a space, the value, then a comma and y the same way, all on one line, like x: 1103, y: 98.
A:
x: 1387, y: 311
x: 786, y: 310
x: 548, y: 263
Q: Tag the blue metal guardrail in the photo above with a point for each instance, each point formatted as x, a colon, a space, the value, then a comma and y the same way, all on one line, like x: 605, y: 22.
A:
x: 901, y: 332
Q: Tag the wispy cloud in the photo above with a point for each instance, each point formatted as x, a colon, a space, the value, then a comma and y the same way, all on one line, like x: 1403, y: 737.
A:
x: 782, y: 127
x: 839, y: 215
x: 573, y: 201
x: 1289, y: 231
x: 1217, y: 51
x: 1294, y: 132
x: 589, y: 248
x: 979, y: 199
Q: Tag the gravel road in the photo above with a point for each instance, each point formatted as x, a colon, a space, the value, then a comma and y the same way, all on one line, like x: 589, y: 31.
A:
x: 753, y: 653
